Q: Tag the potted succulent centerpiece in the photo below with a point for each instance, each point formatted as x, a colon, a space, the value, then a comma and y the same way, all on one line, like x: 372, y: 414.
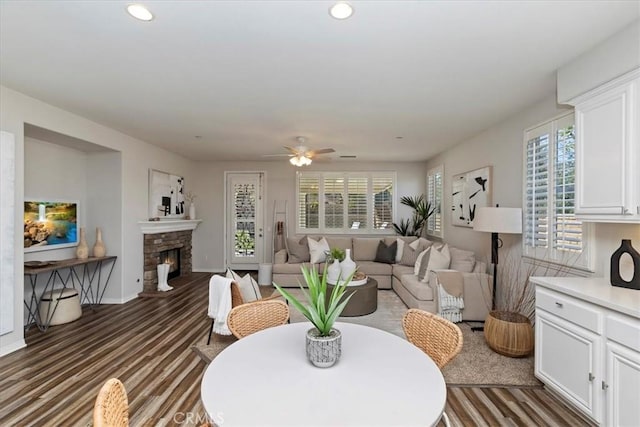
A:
x: 323, y: 341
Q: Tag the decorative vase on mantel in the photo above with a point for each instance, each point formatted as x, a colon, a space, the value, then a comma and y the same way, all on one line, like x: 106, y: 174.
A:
x: 99, y: 249
x: 324, y: 352
x: 618, y: 279
x: 192, y: 210
x: 347, y: 266
x: 82, y: 250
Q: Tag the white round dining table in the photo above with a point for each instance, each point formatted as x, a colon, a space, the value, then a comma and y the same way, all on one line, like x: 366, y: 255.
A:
x: 265, y: 379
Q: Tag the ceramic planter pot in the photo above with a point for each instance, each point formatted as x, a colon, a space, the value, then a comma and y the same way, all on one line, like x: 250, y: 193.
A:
x: 324, y: 352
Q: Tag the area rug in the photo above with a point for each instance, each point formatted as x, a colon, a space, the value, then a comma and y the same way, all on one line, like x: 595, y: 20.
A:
x: 475, y: 365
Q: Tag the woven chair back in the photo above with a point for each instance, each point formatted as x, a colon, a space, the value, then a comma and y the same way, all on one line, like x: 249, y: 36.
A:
x: 111, y: 408
x: 437, y: 337
x: 255, y: 316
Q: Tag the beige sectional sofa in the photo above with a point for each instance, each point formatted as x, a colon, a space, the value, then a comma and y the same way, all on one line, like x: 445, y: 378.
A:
x: 401, y: 278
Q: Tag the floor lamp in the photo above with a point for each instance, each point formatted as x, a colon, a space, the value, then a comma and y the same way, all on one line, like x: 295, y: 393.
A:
x: 497, y: 220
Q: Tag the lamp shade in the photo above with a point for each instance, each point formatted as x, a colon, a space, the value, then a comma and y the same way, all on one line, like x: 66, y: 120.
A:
x: 498, y: 220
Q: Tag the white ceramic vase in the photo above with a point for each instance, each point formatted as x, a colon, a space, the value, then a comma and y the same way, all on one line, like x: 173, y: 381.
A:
x: 333, y: 271
x: 163, y: 275
x: 347, y: 266
x: 192, y: 210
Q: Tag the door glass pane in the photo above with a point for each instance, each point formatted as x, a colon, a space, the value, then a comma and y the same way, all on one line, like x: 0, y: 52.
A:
x: 244, y: 219
x: 357, y: 202
x: 382, y: 202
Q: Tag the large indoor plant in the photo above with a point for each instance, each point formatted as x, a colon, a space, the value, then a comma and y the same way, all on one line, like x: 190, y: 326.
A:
x: 322, y: 308
x: 508, y: 328
x: 422, y: 210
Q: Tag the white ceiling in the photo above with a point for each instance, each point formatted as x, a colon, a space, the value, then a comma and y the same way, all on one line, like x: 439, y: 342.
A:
x: 249, y: 76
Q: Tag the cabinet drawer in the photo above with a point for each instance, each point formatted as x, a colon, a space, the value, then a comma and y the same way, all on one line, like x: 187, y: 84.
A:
x: 565, y: 307
x: 624, y: 330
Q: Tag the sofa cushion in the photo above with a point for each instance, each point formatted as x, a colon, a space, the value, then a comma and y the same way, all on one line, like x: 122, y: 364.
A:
x: 318, y: 250
x: 386, y: 254
x: 364, y: 248
x: 412, y: 251
x: 297, y: 250
x: 462, y: 261
x: 420, y: 290
x: 339, y: 242
x: 399, y: 270
x: 372, y: 268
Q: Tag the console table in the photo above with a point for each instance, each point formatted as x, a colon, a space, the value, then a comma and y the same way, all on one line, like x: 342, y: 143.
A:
x: 87, y: 273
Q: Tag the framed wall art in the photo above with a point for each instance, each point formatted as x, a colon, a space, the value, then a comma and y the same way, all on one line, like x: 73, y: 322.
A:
x: 166, y: 195
x: 50, y: 224
x: 470, y: 191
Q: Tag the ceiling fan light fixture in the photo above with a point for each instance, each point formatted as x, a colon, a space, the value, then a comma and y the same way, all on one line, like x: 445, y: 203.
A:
x: 140, y: 12
x: 341, y: 10
x: 300, y: 161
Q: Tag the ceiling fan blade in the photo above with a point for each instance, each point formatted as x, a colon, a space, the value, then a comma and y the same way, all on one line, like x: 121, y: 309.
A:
x: 293, y: 151
x: 320, y: 151
x: 277, y: 155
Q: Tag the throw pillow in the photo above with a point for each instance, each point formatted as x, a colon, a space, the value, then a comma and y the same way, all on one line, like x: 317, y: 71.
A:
x: 462, y: 261
x: 249, y: 288
x: 400, y: 247
x: 439, y: 259
x: 410, y: 255
x: 419, y: 260
x: 386, y: 254
x: 318, y: 250
x: 298, y: 250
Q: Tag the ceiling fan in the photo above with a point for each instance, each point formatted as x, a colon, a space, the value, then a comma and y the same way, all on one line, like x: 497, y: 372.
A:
x: 301, y: 155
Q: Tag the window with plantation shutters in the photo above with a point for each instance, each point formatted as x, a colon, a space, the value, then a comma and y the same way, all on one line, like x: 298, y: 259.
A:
x: 434, y: 198
x: 551, y: 231
x: 345, y: 202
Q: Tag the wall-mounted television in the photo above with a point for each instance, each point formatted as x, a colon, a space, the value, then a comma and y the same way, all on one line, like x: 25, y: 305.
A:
x: 50, y: 224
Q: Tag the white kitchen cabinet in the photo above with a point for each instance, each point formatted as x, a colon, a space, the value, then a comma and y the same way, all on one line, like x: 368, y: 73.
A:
x: 588, y: 346
x: 567, y: 357
x: 608, y: 151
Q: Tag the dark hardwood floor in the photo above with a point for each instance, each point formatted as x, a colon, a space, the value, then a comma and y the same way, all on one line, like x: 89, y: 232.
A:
x: 146, y: 343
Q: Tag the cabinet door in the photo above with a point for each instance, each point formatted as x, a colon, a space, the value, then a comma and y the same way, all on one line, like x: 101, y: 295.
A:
x: 622, y: 386
x: 607, y: 153
x: 567, y: 359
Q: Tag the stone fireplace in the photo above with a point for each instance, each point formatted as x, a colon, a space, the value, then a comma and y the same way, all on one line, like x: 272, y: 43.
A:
x: 166, y: 241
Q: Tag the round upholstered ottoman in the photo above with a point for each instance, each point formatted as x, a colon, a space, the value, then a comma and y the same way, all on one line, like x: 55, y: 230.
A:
x: 67, y: 310
x: 364, y: 301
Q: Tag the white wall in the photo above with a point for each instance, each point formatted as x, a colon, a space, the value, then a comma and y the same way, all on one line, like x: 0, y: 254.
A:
x: 208, y: 247
x: 137, y: 157
x: 609, y: 59
x: 501, y: 146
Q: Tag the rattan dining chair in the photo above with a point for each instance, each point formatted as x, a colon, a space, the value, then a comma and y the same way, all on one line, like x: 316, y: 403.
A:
x: 439, y: 338
x: 255, y: 316
x: 237, y: 300
x: 111, y: 408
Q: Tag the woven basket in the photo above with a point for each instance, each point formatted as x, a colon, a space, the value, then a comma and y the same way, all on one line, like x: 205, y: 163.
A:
x: 509, y: 334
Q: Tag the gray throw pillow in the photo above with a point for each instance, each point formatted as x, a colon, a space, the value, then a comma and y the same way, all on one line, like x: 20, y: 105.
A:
x: 386, y: 254
x: 462, y: 261
x: 298, y: 250
x: 410, y: 255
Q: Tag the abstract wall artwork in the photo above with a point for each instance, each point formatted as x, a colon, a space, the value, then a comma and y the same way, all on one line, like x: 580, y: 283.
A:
x: 470, y: 191
x: 166, y: 195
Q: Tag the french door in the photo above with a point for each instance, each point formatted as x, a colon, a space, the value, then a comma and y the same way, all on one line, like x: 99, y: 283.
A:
x: 245, y: 216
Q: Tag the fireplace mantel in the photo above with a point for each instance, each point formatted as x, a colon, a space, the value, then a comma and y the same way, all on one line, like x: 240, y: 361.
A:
x: 169, y: 225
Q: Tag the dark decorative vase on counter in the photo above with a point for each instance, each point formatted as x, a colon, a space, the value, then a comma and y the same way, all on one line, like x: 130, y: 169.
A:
x: 616, y: 278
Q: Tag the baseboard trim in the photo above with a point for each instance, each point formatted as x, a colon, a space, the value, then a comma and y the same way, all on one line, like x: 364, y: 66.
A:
x: 11, y: 347
x: 119, y: 301
x: 208, y: 270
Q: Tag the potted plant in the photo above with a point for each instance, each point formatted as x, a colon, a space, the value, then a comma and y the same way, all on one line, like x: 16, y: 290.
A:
x: 422, y: 210
x: 508, y: 328
x: 323, y: 341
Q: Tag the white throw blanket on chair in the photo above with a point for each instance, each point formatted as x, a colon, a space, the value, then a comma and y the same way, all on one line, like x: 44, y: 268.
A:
x: 220, y: 303
x: 450, y: 288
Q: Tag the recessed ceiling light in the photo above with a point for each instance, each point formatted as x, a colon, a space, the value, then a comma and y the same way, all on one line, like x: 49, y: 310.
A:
x: 341, y: 10
x: 140, y: 12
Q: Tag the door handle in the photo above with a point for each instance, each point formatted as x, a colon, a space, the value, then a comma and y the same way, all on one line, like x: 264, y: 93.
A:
x: 558, y: 304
